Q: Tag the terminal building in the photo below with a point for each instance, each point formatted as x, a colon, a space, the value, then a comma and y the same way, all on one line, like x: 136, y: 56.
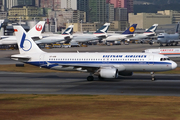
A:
x: 23, y: 13
x: 145, y: 20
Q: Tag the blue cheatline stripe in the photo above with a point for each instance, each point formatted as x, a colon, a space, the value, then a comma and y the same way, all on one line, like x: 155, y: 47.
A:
x: 55, y: 63
x: 22, y: 40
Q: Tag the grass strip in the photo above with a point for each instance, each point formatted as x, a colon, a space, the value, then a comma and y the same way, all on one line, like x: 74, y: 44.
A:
x: 88, y: 107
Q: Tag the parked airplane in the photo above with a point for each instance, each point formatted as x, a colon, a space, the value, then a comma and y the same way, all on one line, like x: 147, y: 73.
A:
x: 98, y: 35
x: 147, y: 34
x: 118, y: 37
x: 1, y: 22
x: 34, y: 32
x: 169, y: 39
x: 170, y: 52
x: 64, y: 37
x: 105, y: 65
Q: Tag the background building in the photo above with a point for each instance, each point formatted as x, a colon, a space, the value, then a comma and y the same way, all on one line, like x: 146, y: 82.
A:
x: 52, y: 4
x: 122, y: 4
x: 26, y: 2
x: 47, y: 4
x: 97, y: 11
x: 109, y: 12
x: 57, y: 4
x: 83, y: 5
x: 64, y: 16
x: 3, y: 15
x: 8, y: 4
x: 23, y: 13
x: 37, y: 3
x: 121, y: 14
x: 69, y: 4
x: 145, y: 20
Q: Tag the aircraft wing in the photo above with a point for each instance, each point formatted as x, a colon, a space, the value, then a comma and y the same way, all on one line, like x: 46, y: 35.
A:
x: 80, y: 65
x: 50, y: 39
x: 172, y: 55
x: 175, y: 40
x: 129, y: 36
x: 38, y: 42
x: 89, y: 67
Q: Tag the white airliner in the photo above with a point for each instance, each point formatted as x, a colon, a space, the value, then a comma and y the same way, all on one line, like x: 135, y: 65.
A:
x: 99, y: 34
x: 105, y: 65
x: 170, y: 52
x: 1, y: 22
x: 126, y: 34
x: 147, y: 34
x: 34, y: 32
x: 168, y: 39
x: 66, y: 36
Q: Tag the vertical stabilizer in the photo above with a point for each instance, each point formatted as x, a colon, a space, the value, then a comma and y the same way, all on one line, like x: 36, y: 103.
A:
x: 37, y: 29
x: 130, y: 30
x: 103, y: 29
x: 1, y: 22
x: 1, y: 29
x: 25, y: 43
x: 69, y: 30
x: 177, y: 28
x: 152, y: 28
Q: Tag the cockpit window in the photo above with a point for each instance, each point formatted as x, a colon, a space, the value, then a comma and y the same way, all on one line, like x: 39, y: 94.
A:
x: 164, y: 59
x: 160, y: 36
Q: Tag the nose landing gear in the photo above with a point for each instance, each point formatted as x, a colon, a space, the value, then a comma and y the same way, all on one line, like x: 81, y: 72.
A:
x: 152, y: 76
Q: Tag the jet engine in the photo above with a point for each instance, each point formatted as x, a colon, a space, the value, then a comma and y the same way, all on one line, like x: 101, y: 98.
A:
x: 151, y: 42
x: 125, y: 73
x: 108, y: 73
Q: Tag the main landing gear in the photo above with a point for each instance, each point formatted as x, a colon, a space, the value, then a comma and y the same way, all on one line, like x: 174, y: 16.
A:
x: 90, y: 77
x: 152, y: 76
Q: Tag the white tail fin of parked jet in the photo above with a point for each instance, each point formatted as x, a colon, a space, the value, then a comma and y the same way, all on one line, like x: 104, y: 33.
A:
x: 152, y: 28
x: 25, y: 43
x: 37, y: 29
x: 1, y: 31
x: 1, y: 22
x: 69, y: 30
x: 103, y: 29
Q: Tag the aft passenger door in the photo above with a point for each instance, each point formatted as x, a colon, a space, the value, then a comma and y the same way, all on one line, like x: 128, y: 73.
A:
x: 41, y: 59
x: 151, y: 60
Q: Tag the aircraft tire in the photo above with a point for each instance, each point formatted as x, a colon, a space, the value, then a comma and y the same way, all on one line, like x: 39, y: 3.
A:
x: 153, y: 79
x: 90, y: 78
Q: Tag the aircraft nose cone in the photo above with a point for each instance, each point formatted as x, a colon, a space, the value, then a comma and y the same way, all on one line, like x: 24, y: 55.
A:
x: 174, y: 65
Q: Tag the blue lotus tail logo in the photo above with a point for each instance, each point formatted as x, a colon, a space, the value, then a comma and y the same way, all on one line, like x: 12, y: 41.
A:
x: 25, y: 44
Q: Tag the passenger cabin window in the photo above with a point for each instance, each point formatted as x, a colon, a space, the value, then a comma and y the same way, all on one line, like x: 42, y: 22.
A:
x: 160, y: 36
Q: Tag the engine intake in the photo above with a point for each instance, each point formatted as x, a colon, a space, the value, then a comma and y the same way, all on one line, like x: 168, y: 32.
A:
x: 108, y: 73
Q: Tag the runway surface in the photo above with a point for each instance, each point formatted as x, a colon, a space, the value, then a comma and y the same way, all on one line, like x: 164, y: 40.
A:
x: 75, y: 83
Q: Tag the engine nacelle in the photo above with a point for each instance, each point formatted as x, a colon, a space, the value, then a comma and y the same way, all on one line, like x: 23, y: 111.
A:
x: 108, y: 73
x: 151, y: 42
x: 125, y: 73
